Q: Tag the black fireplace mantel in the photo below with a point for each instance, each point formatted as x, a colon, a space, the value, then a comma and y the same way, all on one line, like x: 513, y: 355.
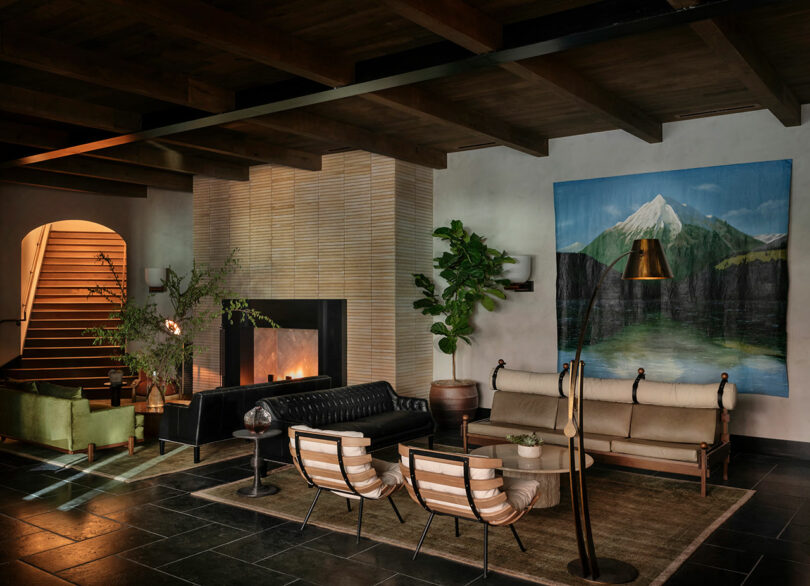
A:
x: 328, y: 316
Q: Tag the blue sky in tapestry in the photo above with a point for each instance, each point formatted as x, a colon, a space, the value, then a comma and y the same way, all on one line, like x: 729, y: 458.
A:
x: 724, y: 230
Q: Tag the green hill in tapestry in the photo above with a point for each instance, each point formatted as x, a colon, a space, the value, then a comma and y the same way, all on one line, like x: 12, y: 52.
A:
x: 692, y: 240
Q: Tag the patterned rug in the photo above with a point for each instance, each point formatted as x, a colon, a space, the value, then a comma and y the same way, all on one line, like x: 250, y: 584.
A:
x: 653, y: 523
x: 146, y: 462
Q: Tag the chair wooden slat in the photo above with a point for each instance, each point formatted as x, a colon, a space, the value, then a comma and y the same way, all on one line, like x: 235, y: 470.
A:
x: 350, y: 442
x: 475, y: 462
x: 332, y: 458
x: 454, y: 481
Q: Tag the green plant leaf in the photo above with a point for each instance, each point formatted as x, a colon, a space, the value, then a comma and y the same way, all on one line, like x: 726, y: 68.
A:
x: 447, y: 345
x: 496, y: 293
x: 488, y: 303
x: 440, y: 329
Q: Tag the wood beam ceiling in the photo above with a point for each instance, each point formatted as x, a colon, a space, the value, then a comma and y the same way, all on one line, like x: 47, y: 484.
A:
x: 467, y: 26
x: 44, y: 54
x: 334, y: 131
x: 115, y: 171
x: 753, y: 69
x: 224, y: 142
x: 308, y: 63
x: 151, y: 155
x: 211, y: 26
x: 37, y: 178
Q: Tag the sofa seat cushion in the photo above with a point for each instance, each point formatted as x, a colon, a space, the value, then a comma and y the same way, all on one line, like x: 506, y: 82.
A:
x: 385, y: 424
x: 655, y: 449
x: 520, y: 491
x: 389, y: 472
x: 593, y: 441
x: 674, y: 424
x: 524, y: 409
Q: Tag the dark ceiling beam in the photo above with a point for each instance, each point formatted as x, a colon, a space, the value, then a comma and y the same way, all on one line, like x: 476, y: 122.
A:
x: 753, y: 69
x: 569, y: 84
x: 155, y: 156
x: 472, y: 29
x: 43, y: 54
x: 114, y: 171
x: 163, y: 156
x: 50, y: 107
x: 336, y: 132
x: 224, y: 142
x: 30, y: 176
x: 211, y: 26
x: 453, y: 20
x: 615, y: 28
x: 415, y: 101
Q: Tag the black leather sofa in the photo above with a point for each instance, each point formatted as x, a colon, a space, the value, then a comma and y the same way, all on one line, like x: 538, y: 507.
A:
x: 372, y: 408
x: 215, y: 414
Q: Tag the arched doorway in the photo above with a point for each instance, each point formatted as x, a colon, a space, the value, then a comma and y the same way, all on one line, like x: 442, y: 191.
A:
x: 59, y: 263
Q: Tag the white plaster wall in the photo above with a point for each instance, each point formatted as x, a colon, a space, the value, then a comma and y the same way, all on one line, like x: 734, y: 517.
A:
x: 157, y: 230
x: 508, y: 197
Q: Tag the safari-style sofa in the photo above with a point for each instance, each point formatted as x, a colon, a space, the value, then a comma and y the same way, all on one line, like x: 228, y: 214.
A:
x: 670, y: 427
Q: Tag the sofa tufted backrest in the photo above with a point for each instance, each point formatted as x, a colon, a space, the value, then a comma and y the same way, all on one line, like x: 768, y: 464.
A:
x: 320, y: 408
x: 221, y: 411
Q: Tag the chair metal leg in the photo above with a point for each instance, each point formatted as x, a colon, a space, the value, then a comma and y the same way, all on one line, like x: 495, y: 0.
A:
x: 349, y: 505
x: 162, y: 447
x: 486, y: 549
x: 517, y: 538
x: 311, y: 507
x: 396, y: 510
x: 196, y: 454
x: 360, y: 519
x: 430, y: 442
x: 456, y: 520
x: 424, y: 534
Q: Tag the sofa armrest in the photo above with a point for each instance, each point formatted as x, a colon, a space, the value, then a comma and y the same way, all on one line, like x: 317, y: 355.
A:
x: 179, y: 422
x: 411, y: 404
x: 111, y: 426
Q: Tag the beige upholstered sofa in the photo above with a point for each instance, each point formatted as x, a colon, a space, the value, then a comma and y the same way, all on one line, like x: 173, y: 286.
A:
x: 671, y: 427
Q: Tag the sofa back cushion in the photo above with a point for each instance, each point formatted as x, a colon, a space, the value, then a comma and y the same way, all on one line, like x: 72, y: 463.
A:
x: 221, y: 411
x: 601, y: 417
x: 59, y: 391
x: 673, y: 424
x: 524, y: 409
x: 321, y: 408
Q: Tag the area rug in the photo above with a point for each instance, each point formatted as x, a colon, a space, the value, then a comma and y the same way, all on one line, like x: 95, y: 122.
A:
x: 146, y: 462
x: 653, y: 523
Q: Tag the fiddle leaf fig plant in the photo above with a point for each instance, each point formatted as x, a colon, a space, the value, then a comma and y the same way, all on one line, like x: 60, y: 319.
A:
x: 471, y: 270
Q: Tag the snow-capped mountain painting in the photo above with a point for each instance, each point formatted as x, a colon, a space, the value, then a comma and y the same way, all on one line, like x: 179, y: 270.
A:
x: 724, y: 231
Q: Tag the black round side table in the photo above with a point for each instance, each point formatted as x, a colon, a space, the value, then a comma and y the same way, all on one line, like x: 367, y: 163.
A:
x: 258, y: 489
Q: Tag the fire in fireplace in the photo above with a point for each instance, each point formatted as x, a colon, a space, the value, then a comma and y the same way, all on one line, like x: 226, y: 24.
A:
x: 284, y: 353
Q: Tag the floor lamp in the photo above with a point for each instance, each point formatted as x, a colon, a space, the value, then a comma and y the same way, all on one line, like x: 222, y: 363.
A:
x: 646, y: 262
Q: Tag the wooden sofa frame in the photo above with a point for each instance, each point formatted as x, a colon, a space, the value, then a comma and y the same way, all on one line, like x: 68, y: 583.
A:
x: 720, y: 452
x: 90, y: 450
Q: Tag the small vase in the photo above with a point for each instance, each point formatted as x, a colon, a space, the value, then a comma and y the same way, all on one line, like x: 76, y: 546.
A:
x: 529, y: 451
x: 258, y: 420
x: 154, y: 397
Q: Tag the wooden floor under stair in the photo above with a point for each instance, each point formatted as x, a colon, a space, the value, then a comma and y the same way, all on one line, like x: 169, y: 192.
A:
x: 55, y: 348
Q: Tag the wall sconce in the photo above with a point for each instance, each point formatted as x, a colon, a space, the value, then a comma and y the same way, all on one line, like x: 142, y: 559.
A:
x: 155, y: 278
x: 519, y: 273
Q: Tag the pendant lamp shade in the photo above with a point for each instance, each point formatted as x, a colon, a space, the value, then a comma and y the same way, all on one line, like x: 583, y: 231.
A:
x: 647, y: 261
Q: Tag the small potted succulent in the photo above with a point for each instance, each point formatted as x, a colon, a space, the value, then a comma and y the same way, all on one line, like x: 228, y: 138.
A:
x: 528, y: 444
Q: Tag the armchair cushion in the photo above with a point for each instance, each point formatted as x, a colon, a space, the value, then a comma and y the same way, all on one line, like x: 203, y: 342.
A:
x: 657, y: 449
x: 59, y: 391
x: 520, y: 492
x: 523, y: 409
x: 389, y: 472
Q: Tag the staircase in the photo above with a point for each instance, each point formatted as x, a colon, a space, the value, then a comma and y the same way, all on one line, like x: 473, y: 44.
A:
x: 55, y: 349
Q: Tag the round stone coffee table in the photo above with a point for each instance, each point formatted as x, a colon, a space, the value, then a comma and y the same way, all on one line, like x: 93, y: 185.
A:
x: 546, y: 469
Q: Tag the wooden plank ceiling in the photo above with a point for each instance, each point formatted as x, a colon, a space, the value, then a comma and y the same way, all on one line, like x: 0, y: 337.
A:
x: 155, y: 77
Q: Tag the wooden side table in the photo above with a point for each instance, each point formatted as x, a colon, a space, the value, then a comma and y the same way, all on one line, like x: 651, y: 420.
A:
x: 258, y: 489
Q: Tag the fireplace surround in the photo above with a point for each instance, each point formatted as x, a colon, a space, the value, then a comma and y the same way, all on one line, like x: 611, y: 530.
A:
x: 326, y: 316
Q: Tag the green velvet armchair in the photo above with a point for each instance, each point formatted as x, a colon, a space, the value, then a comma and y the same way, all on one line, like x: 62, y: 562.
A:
x: 66, y: 424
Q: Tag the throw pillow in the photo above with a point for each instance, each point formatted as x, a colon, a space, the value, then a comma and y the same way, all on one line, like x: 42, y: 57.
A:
x: 18, y: 385
x: 59, y: 391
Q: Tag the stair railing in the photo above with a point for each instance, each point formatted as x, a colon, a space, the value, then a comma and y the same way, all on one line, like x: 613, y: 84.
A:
x: 33, y: 280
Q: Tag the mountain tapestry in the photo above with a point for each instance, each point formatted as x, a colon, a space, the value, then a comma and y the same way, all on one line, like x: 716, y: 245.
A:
x: 724, y: 231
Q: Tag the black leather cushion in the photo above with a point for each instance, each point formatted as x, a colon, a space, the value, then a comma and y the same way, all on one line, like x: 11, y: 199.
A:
x: 322, y: 408
x: 215, y: 414
x: 383, y: 424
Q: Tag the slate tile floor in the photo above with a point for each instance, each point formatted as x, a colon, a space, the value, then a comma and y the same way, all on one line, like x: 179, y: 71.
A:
x: 62, y: 526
